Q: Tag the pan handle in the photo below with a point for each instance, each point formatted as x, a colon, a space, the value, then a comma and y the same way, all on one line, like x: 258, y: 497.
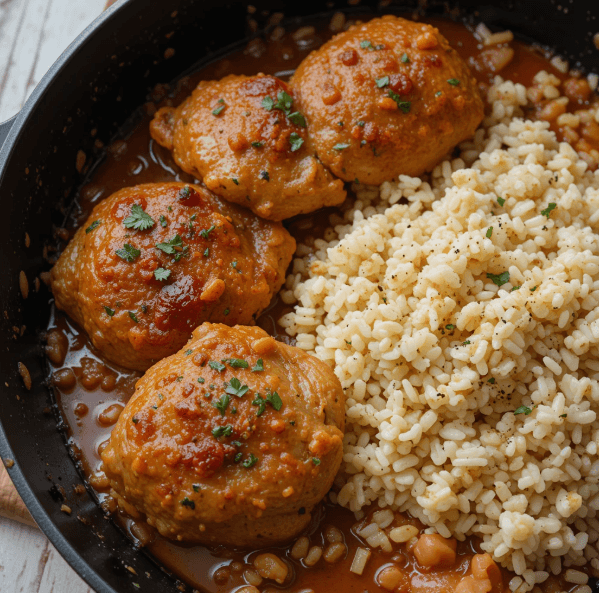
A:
x: 5, y: 127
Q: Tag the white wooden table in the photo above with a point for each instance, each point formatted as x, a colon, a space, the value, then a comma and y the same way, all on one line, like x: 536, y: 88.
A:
x: 33, y: 33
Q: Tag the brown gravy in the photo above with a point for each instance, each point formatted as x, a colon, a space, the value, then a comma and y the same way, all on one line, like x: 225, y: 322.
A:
x: 90, y: 390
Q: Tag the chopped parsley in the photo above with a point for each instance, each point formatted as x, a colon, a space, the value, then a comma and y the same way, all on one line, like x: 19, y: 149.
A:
x: 133, y: 316
x: 466, y: 343
x: 515, y: 288
x: 365, y: 44
x: 403, y: 105
x: 438, y: 94
x: 257, y: 144
x: 404, y: 58
x: 238, y: 457
x: 163, y: 222
x: 259, y: 366
x: 315, y: 461
x: 196, y: 487
x: 92, y: 226
x: 188, y: 503
x: 205, y: 233
x: 217, y: 366
x: 235, y: 387
x: 499, y: 279
x: 138, y: 220
x: 284, y: 102
x: 341, y: 146
x: 188, y: 352
x: 207, y: 252
x: 501, y: 201
x: 250, y: 461
x: 128, y: 252
x: 297, y: 118
x: 264, y: 175
x: 563, y: 415
x: 227, y: 311
x: 382, y: 82
x: 236, y: 363
x: 547, y: 212
x: 533, y: 289
x: 201, y: 380
x: 218, y: 110
x: 361, y: 123
x: 450, y: 326
x: 296, y: 141
x: 235, y: 180
x: 261, y: 403
x: 491, y: 380
x: 489, y: 232
x: 453, y: 81
x: 222, y: 403
x: 109, y: 311
x: 161, y: 274
x: 134, y: 420
x: 222, y: 431
x: 522, y: 410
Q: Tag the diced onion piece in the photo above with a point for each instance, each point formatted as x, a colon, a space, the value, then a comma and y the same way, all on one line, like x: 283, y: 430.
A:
x: 360, y: 559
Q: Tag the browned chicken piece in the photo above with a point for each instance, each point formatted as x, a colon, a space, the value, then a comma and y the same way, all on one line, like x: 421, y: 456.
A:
x: 233, y: 440
x: 386, y: 98
x: 245, y: 139
x: 154, y: 261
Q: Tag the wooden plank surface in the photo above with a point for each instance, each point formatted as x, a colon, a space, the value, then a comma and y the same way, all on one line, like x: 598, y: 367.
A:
x: 33, y: 33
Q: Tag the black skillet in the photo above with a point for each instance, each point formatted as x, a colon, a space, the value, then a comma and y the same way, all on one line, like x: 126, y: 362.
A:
x: 96, y: 84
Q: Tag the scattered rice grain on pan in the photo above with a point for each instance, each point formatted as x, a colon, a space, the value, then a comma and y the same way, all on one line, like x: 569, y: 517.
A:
x: 461, y: 314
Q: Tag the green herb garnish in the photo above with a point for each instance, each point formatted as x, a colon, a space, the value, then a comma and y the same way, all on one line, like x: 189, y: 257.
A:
x: 499, y: 279
x: 217, y: 366
x: 236, y: 363
x: 133, y: 316
x: 264, y: 175
x: 222, y: 431
x: 297, y: 118
x: 92, y: 226
x: 501, y: 201
x: 259, y: 366
x: 341, y: 146
x: 163, y: 222
x: 522, y: 410
x: 489, y: 232
x: 315, y: 461
x: 547, y: 212
x: 453, y: 81
x: 128, y: 252
x: 250, y: 461
x: 274, y: 400
x: 138, y: 220
x: 296, y: 141
x: 162, y: 274
x: 188, y: 503
x: 382, y: 82
x: 222, y: 403
x: 235, y: 387
x: 405, y: 106
x: 110, y: 312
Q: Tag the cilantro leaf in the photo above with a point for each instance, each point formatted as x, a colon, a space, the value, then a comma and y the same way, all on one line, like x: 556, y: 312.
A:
x: 109, y: 311
x: 163, y: 222
x: 453, y: 81
x: 217, y: 366
x: 92, y: 226
x: 222, y: 403
x: 259, y: 366
x: 382, y: 82
x: 501, y: 201
x: 296, y: 141
x: 315, y: 461
x: 268, y: 103
x: 236, y: 363
x: 138, y: 220
x: 133, y: 316
x: 404, y: 58
x: 188, y: 503
x: 161, y: 274
x: 365, y: 44
x: 297, y: 118
x: 450, y: 326
x: 222, y: 431
x: 499, y: 279
x: 235, y: 387
x: 261, y: 403
x: 205, y: 233
x: 264, y: 175
x: 274, y: 400
x: 128, y: 252
x: 169, y: 246
x: 341, y: 146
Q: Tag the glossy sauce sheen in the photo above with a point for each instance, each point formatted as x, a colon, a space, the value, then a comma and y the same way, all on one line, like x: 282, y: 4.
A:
x: 91, y: 392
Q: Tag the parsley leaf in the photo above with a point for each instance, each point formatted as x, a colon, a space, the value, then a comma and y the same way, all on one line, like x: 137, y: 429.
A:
x: 128, y: 252
x: 341, y: 146
x: 217, y: 366
x: 173, y: 247
x: 161, y: 274
x: 257, y: 144
x: 268, y: 103
x: 547, y: 212
x: 453, y: 81
x: 297, y: 118
x: 196, y: 487
x: 222, y: 431
x: 222, y: 404
x: 92, y: 226
x: 235, y: 387
x: 218, y: 110
x: 405, y: 106
x: 499, y: 279
x: 450, y: 326
x: 404, y: 58
x: 274, y: 400
x: 522, y: 410
x: 250, y: 461
x: 382, y: 82
x: 491, y: 380
x: 515, y: 288
x: 163, y: 222
x: 296, y: 141
x: 365, y: 44
x: 489, y: 232
x: 284, y: 102
x: 259, y: 366
x: 109, y: 311
x: 138, y: 220
x: 501, y: 201
x: 264, y: 175
x: 315, y: 461
x: 205, y: 233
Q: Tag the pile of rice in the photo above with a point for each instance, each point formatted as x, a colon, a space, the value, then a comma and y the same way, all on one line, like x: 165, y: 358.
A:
x: 461, y: 315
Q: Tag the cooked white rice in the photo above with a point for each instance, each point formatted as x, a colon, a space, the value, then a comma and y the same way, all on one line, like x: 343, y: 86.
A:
x: 436, y: 358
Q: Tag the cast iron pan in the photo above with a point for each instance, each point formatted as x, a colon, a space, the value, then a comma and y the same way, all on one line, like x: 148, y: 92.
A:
x: 96, y: 84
